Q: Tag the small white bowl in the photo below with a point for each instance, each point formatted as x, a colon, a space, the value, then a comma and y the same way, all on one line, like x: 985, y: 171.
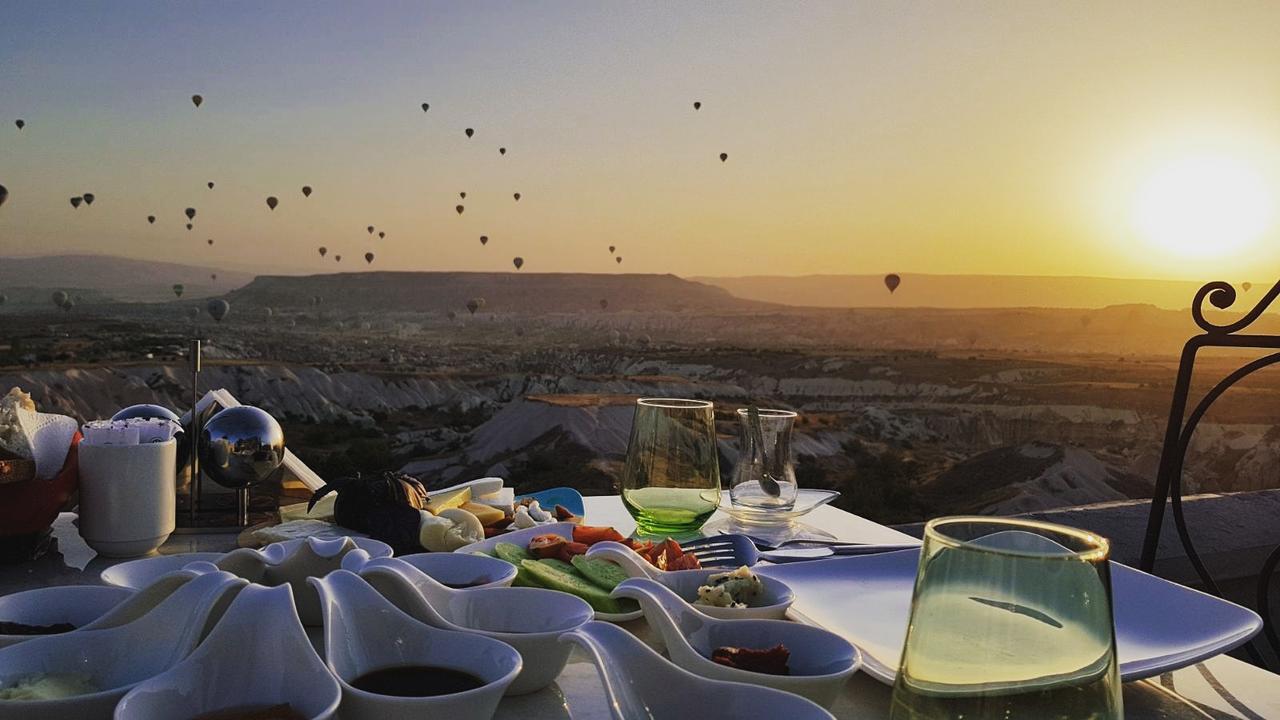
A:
x: 228, y: 672
x: 137, y: 574
x: 364, y: 632
x: 775, y: 598
x: 459, y: 571
x: 77, y: 605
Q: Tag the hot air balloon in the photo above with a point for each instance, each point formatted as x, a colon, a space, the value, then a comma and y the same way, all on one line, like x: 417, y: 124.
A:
x: 191, y: 213
x: 470, y: 132
x: 481, y: 301
x: 370, y: 229
x: 613, y: 249
x: 518, y: 262
x: 306, y: 191
x: 20, y: 123
x: 197, y: 100
x: 426, y: 107
x: 268, y: 311
x: 316, y: 300
x: 463, y: 194
x: 502, y: 151
x: 67, y: 305
x: 381, y: 235
x: 473, y: 306
x: 604, y: 304
x: 272, y: 202
x: 59, y: 297
x: 75, y: 201
x: 189, y: 226
x: 1247, y: 286
x: 459, y: 209
x: 484, y: 239
x: 213, y: 276
x: 88, y: 198
x: 337, y: 258
x: 4, y: 194
x: 618, y: 259
x: 517, y: 197
x: 3, y: 298
x: 892, y: 281
x: 323, y: 250
x: 218, y: 308
x: 151, y: 219
x: 697, y: 104
x: 210, y: 184
x: 368, y: 257
x: 178, y: 289
x: 211, y: 241
x: 724, y: 156
x: 194, y: 312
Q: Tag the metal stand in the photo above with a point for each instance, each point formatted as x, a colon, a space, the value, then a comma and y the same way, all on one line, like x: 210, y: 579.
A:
x: 193, y: 447
x: 1179, y: 432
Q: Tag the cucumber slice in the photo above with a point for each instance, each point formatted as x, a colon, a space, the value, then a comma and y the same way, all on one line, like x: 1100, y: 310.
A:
x: 512, y: 553
x: 562, y: 566
x: 557, y: 579
x: 604, y: 573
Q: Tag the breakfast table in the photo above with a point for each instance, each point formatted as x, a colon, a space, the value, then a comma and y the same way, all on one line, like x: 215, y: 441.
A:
x: 1220, y: 687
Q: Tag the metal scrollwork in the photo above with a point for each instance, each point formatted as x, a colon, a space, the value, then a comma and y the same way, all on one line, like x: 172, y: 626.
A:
x: 1222, y: 295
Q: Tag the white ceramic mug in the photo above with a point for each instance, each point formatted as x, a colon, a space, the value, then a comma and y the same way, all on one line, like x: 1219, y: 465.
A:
x: 127, y: 497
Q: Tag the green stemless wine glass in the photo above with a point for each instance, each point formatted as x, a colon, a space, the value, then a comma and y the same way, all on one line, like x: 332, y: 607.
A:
x: 1010, y: 620
x: 671, y: 481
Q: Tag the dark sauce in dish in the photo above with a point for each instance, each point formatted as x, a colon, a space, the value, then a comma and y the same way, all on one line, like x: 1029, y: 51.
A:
x: 17, y: 628
x: 269, y: 712
x: 464, y: 586
x: 416, y: 681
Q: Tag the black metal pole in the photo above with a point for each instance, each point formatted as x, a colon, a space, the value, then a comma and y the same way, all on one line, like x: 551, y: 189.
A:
x: 193, y: 447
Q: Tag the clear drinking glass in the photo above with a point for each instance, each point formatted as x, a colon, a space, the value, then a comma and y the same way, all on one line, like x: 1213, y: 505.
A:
x: 1011, y: 619
x: 671, y: 482
x: 764, y: 478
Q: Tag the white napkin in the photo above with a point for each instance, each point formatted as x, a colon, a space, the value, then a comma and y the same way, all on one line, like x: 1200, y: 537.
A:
x: 50, y: 437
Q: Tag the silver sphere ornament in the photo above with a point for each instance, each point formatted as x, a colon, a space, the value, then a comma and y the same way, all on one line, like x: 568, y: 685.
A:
x: 241, y: 446
x: 147, y: 412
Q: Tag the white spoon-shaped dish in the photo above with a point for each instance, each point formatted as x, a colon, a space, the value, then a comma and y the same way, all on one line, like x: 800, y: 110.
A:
x: 364, y: 632
x: 821, y: 661
x: 531, y: 620
x: 76, y: 605
x: 772, y: 604
x: 460, y: 571
x: 640, y: 683
x: 257, y: 656
x: 116, y: 659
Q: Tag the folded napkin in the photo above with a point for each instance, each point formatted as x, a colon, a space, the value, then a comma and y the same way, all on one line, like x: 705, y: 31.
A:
x: 42, y: 437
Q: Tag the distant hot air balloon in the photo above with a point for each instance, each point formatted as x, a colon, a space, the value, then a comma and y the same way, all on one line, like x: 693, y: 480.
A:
x: 613, y: 249
x: 381, y: 235
x: 59, y: 297
x: 211, y: 241
x: 484, y: 239
x: 473, y: 306
x: 88, y: 198
x: 502, y: 151
x: 697, y: 104
x: 459, y: 209
x: 368, y: 257
x: 1247, y: 286
x: 337, y: 258
x: 189, y: 226
x: 370, y: 229
x: 197, y: 100
x: 20, y: 123
x: 3, y: 298
x: 151, y: 219
x: 272, y: 202
x: 67, y: 305
x: 213, y: 276
x: 463, y: 194
x: 75, y: 201
x: 210, y: 184
x: 470, y: 132
x: 178, y: 289
x: 218, y: 308
x: 323, y: 250
x: 892, y: 281
x: 618, y: 259
x: 426, y: 107
x: 724, y: 156
x: 518, y: 262
x: 481, y: 301
x: 268, y: 311
x: 604, y: 304
x: 191, y: 213
x: 306, y: 191
x: 4, y: 194
x: 517, y: 197
x: 194, y: 312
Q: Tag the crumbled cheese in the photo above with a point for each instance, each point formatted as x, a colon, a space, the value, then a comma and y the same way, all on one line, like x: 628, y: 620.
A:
x: 736, y: 589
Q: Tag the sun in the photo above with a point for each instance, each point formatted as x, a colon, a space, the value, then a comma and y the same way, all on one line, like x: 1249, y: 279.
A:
x: 1204, y: 205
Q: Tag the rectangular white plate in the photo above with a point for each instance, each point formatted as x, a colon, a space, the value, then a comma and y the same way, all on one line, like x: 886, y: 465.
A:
x: 1160, y: 626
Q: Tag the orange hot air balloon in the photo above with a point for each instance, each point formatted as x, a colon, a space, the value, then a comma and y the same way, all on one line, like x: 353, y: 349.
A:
x: 892, y: 281
x: 1247, y: 286
x: 272, y: 202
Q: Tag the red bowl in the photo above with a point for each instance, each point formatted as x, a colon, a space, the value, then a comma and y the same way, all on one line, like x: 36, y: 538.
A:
x: 31, y: 506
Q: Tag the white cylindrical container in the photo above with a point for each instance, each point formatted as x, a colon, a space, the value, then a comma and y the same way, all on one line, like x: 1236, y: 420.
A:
x: 127, y: 497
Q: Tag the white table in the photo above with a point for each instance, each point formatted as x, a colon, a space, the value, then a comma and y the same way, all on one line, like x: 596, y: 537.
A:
x: 1221, y: 687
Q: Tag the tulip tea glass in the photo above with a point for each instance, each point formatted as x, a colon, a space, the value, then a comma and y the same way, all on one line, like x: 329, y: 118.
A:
x: 1010, y: 619
x: 671, y: 481
x: 764, y: 478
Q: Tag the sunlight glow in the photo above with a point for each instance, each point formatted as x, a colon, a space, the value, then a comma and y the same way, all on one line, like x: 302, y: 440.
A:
x: 1204, y: 205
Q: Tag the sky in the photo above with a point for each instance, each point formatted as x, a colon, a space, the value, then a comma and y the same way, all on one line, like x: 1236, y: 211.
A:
x: 1037, y: 138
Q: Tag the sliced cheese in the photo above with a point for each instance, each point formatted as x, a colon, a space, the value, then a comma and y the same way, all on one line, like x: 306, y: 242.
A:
x: 450, y: 499
x: 488, y: 515
x: 504, y: 500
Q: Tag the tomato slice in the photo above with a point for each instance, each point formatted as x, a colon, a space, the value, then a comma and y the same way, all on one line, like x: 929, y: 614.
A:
x: 590, y: 535
x: 546, y: 546
x: 569, y: 549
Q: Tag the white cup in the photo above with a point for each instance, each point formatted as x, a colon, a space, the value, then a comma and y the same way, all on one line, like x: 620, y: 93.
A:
x: 127, y: 497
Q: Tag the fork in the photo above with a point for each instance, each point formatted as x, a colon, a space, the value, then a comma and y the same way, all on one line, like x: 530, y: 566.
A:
x: 733, y: 549
x: 723, y: 550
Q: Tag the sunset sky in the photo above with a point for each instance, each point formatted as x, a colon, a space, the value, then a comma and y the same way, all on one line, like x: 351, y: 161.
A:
x: 863, y: 137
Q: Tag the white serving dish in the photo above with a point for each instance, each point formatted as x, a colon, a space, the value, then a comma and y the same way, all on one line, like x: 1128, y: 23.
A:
x: 522, y: 538
x: 78, y: 605
x: 137, y: 574
x: 463, y: 571
x: 640, y: 683
x: 867, y: 600
x: 821, y: 661
x: 774, y: 601
x: 227, y: 672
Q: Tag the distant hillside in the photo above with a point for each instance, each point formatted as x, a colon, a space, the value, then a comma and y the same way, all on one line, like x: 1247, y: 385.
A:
x: 31, y: 279
x: 502, y: 292
x: 961, y: 291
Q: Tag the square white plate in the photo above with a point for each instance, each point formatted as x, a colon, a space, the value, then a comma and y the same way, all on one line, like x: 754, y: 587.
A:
x: 1160, y: 626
